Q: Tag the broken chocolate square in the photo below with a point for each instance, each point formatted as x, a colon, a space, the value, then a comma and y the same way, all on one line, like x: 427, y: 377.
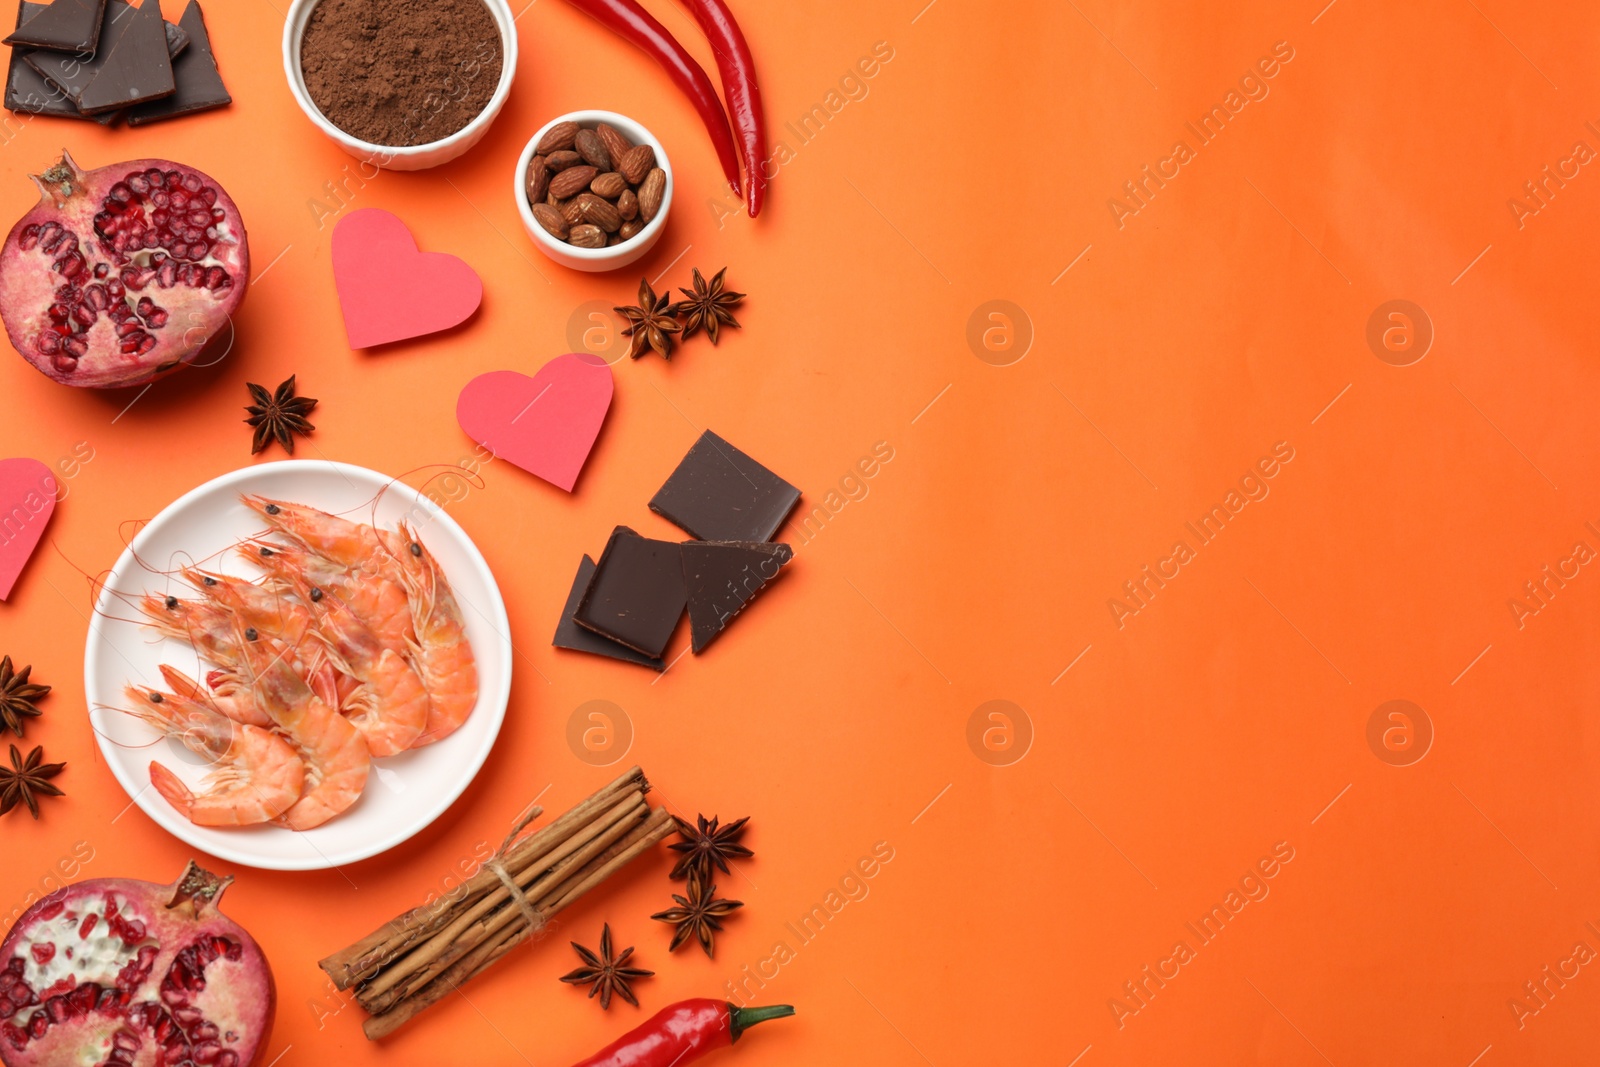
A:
x: 138, y: 68
x: 637, y: 594
x: 722, y: 577
x: 71, y: 73
x: 199, y: 84
x: 64, y: 26
x: 720, y: 494
x: 27, y: 92
x: 570, y: 635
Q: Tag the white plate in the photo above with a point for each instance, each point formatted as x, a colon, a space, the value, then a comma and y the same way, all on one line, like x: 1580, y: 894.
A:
x: 406, y: 792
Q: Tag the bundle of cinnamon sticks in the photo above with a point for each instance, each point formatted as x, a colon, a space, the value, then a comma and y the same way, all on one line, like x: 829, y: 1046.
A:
x: 416, y: 959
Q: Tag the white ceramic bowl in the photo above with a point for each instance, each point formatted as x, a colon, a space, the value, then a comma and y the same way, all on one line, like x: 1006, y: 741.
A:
x: 404, y: 793
x: 415, y: 157
x: 593, y: 259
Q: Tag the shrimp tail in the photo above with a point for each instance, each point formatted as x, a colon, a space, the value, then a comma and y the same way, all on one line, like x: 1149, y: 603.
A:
x: 171, y: 788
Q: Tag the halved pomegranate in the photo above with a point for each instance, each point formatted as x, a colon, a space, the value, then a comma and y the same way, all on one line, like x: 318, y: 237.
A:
x: 120, y: 275
x: 120, y: 973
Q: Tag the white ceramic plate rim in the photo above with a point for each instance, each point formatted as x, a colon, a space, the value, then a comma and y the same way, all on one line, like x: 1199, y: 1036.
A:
x: 493, y: 694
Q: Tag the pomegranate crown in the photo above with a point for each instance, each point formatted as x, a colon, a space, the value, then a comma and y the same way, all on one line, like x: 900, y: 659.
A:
x: 61, y: 182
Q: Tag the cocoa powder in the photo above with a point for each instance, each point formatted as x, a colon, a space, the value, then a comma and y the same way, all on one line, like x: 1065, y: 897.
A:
x: 401, y: 72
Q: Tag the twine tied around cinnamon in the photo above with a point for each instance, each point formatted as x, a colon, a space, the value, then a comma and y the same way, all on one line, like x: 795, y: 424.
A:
x: 496, y: 864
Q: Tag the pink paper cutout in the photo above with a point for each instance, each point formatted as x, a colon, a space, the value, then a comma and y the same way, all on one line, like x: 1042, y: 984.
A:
x: 27, y: 500
x: 390, y: 291
x: 546, y: 424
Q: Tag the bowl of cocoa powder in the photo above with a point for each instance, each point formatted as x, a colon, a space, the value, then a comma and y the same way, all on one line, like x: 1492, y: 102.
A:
x: 403, y: 84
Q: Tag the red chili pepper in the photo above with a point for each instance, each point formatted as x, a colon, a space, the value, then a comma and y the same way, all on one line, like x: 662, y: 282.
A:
x: 682, y: 1032
x: 738, y: 72
x: 633, y: 23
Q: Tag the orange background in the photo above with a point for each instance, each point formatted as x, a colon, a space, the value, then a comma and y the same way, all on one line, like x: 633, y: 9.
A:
x: 1228, y: 715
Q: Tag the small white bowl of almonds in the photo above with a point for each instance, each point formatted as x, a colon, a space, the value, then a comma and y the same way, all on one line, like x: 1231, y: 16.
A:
x: 594, y: 189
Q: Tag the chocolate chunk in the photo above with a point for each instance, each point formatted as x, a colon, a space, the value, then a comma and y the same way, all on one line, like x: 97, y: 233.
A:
x: 720, y: 494
x: 64, y: 26
x: 177, y: 39
x: 27, y: 92
x: 200, y: 86
x: 570, y: 635
x: 637, y: 594
x: 722, y: 577
x: 138, y: 68
x: 72, y: 73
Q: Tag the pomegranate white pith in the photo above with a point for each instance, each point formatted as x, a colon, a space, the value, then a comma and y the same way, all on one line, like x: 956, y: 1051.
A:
x: 122, y: 274
x: 122, y: 973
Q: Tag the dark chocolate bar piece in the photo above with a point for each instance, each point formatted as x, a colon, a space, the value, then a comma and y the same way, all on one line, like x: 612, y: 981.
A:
x: 570, y: 635
x: 27, y: 92
x: 637, y: 595
x: 138, y: 68
x: 199, y: 83
x: 71, y: 73
x: 720, y: 494
x: 64, y: 26
x: 722, y: 577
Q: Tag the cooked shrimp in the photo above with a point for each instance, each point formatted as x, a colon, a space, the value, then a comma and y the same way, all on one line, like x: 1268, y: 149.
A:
x: 255, y: 775
x: 210, y: 630
x: 268, y: 612
x: 334, y: 752
x: 378, y: 601
x: 390, y: 706
x: 443, y: 655
x: 355, y: 545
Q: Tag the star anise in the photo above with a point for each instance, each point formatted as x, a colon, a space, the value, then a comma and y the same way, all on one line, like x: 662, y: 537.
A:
x: 26, y: 780
x: 17, y: 697
x: 708, y: 845
x: 278, y: 416
x: 707, y: 306
x: 609, y: 974
x: 699, y: 914
x: 650, y: 324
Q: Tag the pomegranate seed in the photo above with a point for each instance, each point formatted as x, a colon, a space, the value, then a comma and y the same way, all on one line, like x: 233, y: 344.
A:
x: 216, y: 277
x: 101, y: 270
x: 87, y: 926
x: 159, y: 197
x: 132, y: 931
x: 7, y: 1009
x: 179, y: 199
x: 206, y: 1052
x: 15, y: 1035
x: 218, y: 215
x: 69, y: 266
x: 167, y: 274
x: 76, y: 347
x: 174, y: 179
x: 96, y: 296
x: 199, y: 217
x: 157, y: 318
x: 59, y: 312
x: 38, y: 1024
x: 138, y: 183
x: 120, y: 1058
x: 42, y: 953
x: 127, y: 329
x: 58, y: 1009
x: 124, y: 1040
x: 85, y: 314
x: 121, y: 193
x: 30, y: 238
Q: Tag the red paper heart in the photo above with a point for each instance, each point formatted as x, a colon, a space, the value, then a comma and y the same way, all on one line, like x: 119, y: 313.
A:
x: 545, y: 424
x: 388, y: 290
x: 27, y: 499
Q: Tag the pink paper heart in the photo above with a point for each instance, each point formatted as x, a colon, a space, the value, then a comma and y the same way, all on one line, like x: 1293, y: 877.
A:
x: 545, y: 424
x: 27, y: 499
x: 388, y: 290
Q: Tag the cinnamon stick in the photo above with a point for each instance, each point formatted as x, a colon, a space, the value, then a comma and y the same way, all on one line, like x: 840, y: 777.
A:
x: 363, y: 959
x: 493, y: 948
x: 413, y: 961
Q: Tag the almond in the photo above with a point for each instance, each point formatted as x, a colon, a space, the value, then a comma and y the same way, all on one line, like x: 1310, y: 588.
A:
x: 630, y: 229
x: 593, y: 150
x: 614, y: 239
x: 610, y: 185
x: 569, y: 211
x: 563, y: 159
x: 650, y: 193
x: 637, y: 163
x: 615, y: 143
x: 560, y: 135
x: 598, y: 212
x: 572, y: 181
x: 538, y: 179
x: 551, y: 220
x: 628, y: 204
x: 587, y: 237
